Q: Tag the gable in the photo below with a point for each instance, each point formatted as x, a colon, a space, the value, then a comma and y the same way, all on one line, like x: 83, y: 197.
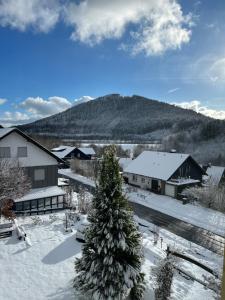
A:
x: 36, y: 156
x: 189, y: 169
x: 63, y: 151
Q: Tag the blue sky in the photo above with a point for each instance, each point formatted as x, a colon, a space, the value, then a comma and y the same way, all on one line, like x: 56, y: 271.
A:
x: 55, y: 52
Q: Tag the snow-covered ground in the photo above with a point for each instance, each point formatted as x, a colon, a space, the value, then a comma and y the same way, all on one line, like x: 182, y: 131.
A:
x: 206, y: 218
x: 72, y: 175
x: 45, y: 270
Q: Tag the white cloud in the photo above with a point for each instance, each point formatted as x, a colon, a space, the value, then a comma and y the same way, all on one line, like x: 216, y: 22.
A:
x: 14, y: 118
x: 40, y: 107
x: 83, y: 99
x: 41, y: 15
x: 2, y: 100
x: 160, y: 24
x: 208, y: 69
x: 217, y: 70
x: 173, y: 90
x: 196, y: 106
x: 36, y: 108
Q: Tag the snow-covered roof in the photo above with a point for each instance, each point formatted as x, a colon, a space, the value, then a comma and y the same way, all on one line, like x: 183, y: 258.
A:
x: 63, y: 182
x: 182, y: 181
x: 42, y: 193
x: 4, y: 131
x: 160, y: 165
x: 215, y: 174
x: 62, y: 151
x: 124, y: 162
x: 87, y: 150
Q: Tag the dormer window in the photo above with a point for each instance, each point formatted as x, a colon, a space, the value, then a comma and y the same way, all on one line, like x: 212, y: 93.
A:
x: 5, y: 152
x: 22, y: 152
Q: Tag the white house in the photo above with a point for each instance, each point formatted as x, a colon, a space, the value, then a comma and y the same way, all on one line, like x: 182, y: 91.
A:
x: 163, y: 173
x: 41, y: 167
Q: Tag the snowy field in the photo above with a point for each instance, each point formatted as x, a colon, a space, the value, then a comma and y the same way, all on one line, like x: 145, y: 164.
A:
x: 45, y: 268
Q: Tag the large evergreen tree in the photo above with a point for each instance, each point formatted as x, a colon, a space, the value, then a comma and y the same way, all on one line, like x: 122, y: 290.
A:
x: 110, y: 265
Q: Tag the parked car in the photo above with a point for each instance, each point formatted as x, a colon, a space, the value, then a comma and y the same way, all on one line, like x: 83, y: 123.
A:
x: 81, y: 229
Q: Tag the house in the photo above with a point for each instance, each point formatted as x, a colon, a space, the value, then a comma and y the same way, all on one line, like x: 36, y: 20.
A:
x: 68, y: 152
x: 163, y: 173
x: 216, y: 175
x: 64, y: 152
x: 85, y: 153
x: 41, y: 167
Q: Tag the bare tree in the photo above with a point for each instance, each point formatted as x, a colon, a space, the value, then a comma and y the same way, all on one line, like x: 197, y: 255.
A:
x: 84, y: 201
x: 87, y: 168
x: 14, y: 183
x: 210, y: 196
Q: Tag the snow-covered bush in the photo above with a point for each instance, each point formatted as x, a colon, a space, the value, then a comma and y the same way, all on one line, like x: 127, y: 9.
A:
x: 210, y: 196
x: 36, y: 220
x: 53, y: 218
x: 162, y: 277
x: 110, y: 266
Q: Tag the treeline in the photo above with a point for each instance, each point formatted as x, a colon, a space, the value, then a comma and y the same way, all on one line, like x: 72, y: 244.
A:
x: 205, y: 141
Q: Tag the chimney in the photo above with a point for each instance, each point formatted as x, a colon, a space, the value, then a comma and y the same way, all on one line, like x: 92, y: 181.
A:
x: 173, y: 151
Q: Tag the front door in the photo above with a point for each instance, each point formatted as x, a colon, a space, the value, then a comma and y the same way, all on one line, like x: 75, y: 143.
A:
x: 155, y: 185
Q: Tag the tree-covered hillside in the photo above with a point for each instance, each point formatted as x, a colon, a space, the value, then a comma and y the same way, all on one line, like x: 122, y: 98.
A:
x: 114, y: 116
x: 137, y: 118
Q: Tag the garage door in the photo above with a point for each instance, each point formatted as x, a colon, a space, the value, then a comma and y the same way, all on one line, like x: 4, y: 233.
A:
x: 170, y: 190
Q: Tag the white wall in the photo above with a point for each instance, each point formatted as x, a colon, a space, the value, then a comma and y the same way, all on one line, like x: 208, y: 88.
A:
x: 144, y: 185
x: 35, y: 156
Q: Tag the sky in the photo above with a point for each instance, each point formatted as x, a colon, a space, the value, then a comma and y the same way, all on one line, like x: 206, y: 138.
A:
x: 54, y: 53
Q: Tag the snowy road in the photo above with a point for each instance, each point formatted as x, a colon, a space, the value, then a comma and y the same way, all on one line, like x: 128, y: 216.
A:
x: 188, y: 231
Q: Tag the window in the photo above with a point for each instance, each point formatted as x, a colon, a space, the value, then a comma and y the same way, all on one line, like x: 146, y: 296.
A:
x: 19, y: 206
x: 22, y: 152
x: 39, y: 174
x: 60, y: 201
x: 41, y: 203
x: 26, y: 205
x: 34, y: 204
x: 54, y: 202
x: 143, y: 180
x: 134, y: 177
x: 5, y: 152
x: 47, y: 202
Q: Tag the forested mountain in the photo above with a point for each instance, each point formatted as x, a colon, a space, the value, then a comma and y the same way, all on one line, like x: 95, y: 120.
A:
x: 134, y: 118
x: 114, y: 116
